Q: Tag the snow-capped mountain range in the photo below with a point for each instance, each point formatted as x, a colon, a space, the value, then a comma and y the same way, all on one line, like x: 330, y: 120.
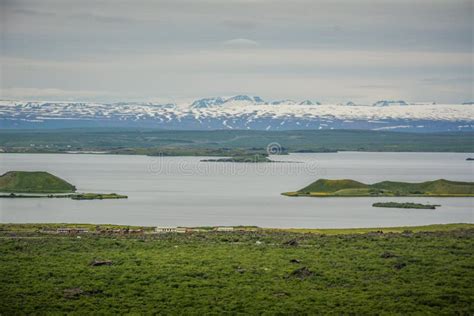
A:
x: 241, y: 112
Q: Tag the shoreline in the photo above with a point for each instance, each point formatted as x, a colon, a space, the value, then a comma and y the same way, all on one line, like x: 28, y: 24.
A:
x: 165, y: 154
x: 291, y: 194
x: 34, y: 227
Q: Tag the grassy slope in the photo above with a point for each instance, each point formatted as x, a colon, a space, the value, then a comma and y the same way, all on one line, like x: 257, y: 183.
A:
x: 437, y: 187
x: 353, y: 188
x: 329, y: 186
x: 34, y: 182
x: 430, y: 273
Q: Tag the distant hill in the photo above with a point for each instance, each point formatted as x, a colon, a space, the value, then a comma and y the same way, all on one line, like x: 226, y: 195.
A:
x: 34, y: 182
x: 441, y: 187
x: 389, y: 103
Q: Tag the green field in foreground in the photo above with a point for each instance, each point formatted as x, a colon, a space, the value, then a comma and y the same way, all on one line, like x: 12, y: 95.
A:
x: 351, y: 188
x: 423, y: 270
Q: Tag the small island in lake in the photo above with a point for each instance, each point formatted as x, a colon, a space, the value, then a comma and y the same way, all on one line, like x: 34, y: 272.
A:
x: 41, y: 184
x: 97, y: 196
x: 351, y: 188
x: 406, y: 205
x: 244, y: 158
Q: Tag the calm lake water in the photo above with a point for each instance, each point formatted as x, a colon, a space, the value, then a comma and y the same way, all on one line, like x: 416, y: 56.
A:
x: 184, y: 191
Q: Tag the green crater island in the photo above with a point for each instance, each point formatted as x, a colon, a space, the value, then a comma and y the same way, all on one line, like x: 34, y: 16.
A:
x: 351, y: 188
x: 406, y: 205
x: 34, y: 182
x: 41, y: 184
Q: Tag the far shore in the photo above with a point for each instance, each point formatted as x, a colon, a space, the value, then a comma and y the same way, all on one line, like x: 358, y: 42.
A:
x: 198, y: 154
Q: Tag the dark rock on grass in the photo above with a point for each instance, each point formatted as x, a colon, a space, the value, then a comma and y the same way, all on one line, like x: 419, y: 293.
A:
x: 93, y: 292
x: 280, y: 294
x: 76, y: 292
x: 240, y: 270
x: 295, y: 261
x: 374, y: 233
x: 387, y: 255
x: 72, y: 293
x: 400, y: 265
x: 97, y: 263
x: 301, y: 273
x: 292, y: 243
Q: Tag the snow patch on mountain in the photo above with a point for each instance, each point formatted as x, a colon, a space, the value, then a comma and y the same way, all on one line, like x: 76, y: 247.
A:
x: 242, y: 112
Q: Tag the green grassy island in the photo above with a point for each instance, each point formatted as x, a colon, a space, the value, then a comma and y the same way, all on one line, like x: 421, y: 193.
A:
x: 34, y: 182
x: 351, y: 188
x: 406, y: 205
x: 41, y: 184
x: 45, y: 269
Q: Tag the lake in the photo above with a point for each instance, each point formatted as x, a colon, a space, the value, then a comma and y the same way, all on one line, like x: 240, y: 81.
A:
x: 173, y: 191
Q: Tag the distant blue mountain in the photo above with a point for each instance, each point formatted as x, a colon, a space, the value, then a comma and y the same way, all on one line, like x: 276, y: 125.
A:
x: 286, y: 101
x: 255, y: 99
x: 389, y: 102
x: 207, y: 102
x: 309, y: 102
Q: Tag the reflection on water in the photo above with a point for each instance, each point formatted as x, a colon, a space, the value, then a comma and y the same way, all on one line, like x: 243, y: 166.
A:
x: 185, y: 191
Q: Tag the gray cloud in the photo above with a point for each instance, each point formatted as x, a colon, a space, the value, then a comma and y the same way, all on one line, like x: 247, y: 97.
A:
x: 30, y: 12
x: 193, y: 48
x: 240, y: 43
x: 242, y: 24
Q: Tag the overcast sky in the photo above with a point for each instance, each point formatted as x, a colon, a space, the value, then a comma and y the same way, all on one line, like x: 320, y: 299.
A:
x: 331, y: 51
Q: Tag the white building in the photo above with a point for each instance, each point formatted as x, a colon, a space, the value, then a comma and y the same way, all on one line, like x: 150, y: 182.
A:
x: 225, y: 229
x: 165, y: 229
x: 170, y: 229
x: 72, y: 230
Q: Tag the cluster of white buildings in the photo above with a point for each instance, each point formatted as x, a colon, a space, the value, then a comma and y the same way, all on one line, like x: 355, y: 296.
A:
x: 189, y: 230
x: 123, y: 231
x: 72, y: 230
